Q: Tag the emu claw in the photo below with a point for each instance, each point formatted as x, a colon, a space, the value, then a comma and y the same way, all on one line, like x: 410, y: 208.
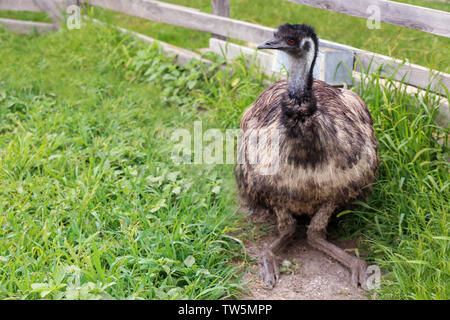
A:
x: 269, y: 272
x: 359, y: 274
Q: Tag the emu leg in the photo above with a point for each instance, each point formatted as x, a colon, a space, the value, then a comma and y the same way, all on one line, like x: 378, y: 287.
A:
x: 269, y: 271
x: 317, y: 239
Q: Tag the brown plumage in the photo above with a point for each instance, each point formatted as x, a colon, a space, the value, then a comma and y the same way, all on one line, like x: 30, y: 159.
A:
x: 326, y: 157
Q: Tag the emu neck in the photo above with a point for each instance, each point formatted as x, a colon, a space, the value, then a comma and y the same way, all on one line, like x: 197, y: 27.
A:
x: 299, y: 103
x: 300, y: 76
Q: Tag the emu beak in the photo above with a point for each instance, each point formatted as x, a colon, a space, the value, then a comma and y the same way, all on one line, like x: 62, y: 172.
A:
x: 271, y: 44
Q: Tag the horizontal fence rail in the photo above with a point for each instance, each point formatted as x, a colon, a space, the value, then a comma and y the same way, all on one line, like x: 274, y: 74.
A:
x: 26, y: 27
x: 22, y: 5
x: 187, y: 18
x: 33, y: 5
x: 400, y: 14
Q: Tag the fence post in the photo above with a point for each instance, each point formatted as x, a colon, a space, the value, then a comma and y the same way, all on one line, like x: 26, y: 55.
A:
x: 52, y: 10
x: 220, y: 8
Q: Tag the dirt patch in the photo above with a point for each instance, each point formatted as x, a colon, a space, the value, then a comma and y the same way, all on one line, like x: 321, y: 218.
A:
x: 309, y: 274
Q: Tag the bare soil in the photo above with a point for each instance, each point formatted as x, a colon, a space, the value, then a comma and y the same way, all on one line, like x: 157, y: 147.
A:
x: 311, y: 275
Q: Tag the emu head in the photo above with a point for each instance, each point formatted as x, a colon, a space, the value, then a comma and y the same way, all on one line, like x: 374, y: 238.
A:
x: 301, y: 43
x: 298, y: 40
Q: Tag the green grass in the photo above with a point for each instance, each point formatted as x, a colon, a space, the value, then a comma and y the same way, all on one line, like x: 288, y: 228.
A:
x: 88, y: 190
x: 92, y: 205
x: 405, y: 224
x: 25, y: 15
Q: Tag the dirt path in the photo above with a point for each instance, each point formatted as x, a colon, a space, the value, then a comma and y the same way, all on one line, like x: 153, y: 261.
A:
x: 313, y: 275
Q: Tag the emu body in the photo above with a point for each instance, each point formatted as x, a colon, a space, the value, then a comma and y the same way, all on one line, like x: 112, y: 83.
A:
x: 327, y: 152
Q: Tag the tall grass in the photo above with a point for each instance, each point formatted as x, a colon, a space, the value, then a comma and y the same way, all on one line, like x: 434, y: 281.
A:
x: 91, y: 205
x: 405, y: 222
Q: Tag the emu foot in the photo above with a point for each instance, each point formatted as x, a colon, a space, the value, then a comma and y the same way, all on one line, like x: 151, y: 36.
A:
x: 358, y: 270
x: 269, y: 272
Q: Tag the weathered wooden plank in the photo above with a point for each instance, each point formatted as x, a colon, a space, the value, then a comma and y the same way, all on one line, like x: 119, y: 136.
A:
x: 231, y: 51
x: 220, y: 8
x: 19, y: 5
x: 182, y: 56
x: 33, y: 5
x: 401, y: 14
x: 185, y: 17
x: 410, y: 73
x: 444, y: 111
x: 27, y: 27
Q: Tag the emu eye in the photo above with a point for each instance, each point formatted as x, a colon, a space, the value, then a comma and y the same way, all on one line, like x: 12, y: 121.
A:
x: 291, y: 42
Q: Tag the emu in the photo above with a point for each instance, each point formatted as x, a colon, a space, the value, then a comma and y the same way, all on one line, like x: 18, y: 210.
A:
x: 327, y: 153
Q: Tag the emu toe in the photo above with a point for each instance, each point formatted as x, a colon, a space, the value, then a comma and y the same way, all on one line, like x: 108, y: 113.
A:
x: 269, y: 272
x: 359, y: 273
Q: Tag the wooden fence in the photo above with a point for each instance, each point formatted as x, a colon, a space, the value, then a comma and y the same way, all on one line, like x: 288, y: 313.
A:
x: 400, y: 14
x: 221, y: 26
